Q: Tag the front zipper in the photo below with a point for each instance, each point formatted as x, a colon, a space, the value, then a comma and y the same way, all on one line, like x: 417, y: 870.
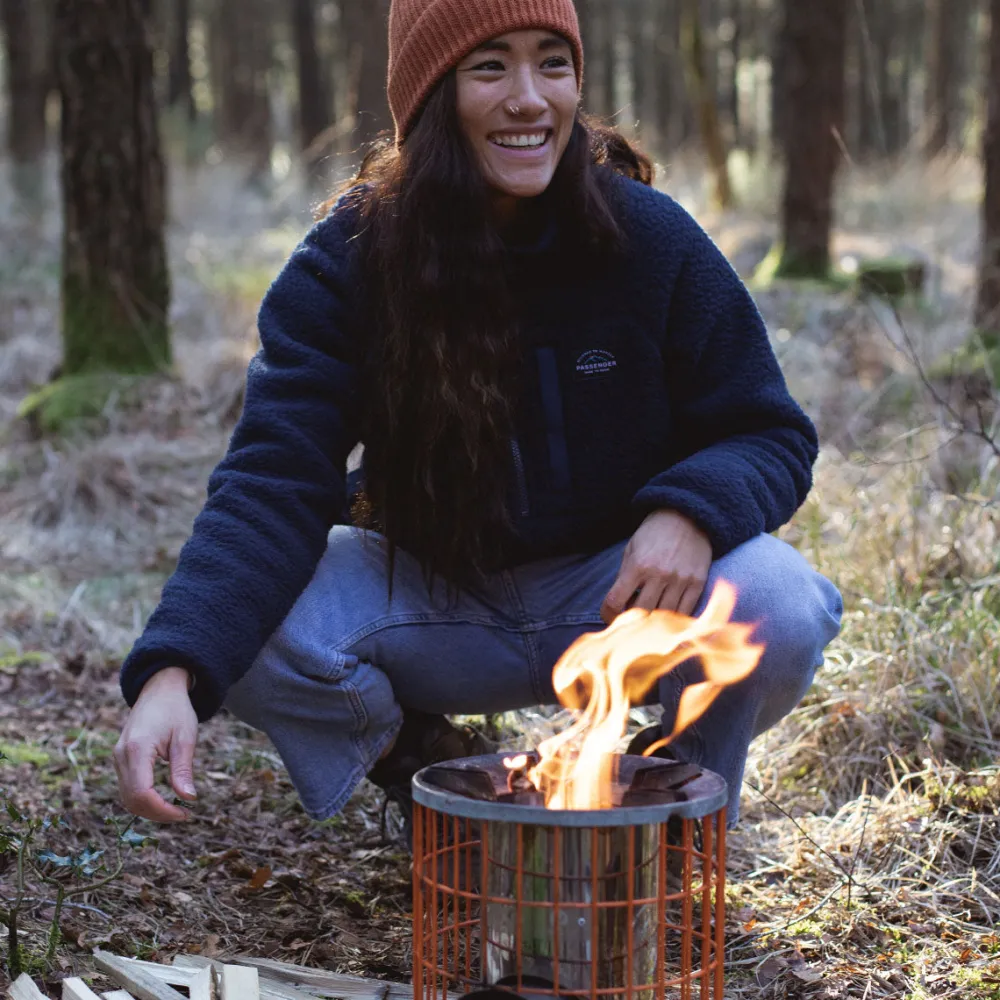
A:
x: 522, y: 482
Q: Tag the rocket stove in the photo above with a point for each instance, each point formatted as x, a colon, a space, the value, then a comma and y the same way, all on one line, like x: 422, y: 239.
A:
x: 625, y: 903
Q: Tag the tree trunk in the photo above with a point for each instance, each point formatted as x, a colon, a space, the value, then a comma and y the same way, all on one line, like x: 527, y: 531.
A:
x: 988, y: 303
x: 27, y: 84
x: 115, y: 284
x: 241, y: 60
x: 369, y: 56
x: 314, y: 105
x: 609, y: 57
x: 704, y: 94
x: 946, y: 22
x: 180, y: 92
x: 813, y: 42
x: 597, y: 99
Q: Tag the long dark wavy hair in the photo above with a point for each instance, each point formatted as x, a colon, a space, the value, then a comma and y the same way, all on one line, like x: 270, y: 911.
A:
x: 442, y: 350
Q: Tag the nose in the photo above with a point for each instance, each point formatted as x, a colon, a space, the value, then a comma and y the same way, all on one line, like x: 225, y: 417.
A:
x: 525, y: 94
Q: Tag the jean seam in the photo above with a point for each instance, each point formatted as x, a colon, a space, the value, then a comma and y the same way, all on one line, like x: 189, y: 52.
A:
x: 395, y: 621
x: 529, y: 630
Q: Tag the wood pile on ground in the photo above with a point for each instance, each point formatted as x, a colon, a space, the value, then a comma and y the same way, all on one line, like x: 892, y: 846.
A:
x: 194, y: 977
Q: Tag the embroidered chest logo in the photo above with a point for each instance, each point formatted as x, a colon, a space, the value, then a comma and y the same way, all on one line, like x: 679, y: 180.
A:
x: 593, y: 363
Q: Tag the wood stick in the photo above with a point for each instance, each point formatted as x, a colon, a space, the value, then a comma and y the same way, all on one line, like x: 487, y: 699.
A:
x: 24, y: 988
x: 240, y: 982
x: 334, y: 983
x: 270, y: 989
x: 117, y: 995
x: 134, y: 978
x: 77, y: 989
x: 202, y: 984
x: 194, y: 980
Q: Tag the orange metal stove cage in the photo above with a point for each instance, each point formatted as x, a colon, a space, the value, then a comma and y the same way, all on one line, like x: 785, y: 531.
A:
x: 540, y: 903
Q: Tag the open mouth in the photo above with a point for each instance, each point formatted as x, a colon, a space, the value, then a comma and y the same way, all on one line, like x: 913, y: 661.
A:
x: 521, y: 141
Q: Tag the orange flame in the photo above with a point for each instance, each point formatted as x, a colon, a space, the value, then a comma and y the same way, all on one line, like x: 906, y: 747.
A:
x: 604, y: 673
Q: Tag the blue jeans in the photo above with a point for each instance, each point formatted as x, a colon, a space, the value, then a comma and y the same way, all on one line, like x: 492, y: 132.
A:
x: 329, y: 685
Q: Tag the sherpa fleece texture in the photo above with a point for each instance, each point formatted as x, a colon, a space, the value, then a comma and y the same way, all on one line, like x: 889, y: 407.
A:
x: 647, y: 382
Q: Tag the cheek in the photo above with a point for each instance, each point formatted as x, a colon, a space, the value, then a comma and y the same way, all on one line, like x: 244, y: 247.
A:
x: 473, y: 110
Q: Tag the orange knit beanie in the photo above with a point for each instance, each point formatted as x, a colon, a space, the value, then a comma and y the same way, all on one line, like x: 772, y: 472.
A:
x: 428, y: 37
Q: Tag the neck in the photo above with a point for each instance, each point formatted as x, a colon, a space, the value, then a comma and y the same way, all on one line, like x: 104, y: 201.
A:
x: 507, y: 210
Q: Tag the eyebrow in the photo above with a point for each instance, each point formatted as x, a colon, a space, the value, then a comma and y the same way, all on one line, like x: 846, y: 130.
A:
x: 549, y: 42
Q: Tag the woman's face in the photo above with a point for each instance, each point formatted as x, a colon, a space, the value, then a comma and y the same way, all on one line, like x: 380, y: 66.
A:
x: 517, y: 102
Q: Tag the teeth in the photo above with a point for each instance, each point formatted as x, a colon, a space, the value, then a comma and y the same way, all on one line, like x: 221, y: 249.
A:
x: 520, y: 140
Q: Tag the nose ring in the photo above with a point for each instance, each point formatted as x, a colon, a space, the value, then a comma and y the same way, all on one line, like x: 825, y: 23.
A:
x: 514, y: 109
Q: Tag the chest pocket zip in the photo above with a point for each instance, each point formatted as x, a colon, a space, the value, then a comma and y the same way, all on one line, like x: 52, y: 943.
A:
x: 522, y: 481
x: 555, y: 420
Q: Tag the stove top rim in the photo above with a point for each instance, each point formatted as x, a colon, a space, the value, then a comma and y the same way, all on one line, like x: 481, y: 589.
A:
x: 710, y: 788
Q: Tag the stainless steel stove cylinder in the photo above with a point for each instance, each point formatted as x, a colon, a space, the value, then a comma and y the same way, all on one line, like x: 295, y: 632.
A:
x: 617, y: 943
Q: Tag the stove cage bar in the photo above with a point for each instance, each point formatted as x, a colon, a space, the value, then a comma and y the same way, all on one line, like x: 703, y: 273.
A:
x: 497, y: 903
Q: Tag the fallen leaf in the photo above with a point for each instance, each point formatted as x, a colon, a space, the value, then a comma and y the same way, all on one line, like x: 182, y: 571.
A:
x: 260, y: 877
x: 770, y: 969
x: 807, y: 975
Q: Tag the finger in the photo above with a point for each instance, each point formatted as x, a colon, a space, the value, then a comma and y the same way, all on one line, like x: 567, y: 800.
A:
x: 650, y: 595
x: 151, y: 805
x: 182, y: 746
x: 619, y: 595
x: 136, y: 781
x: 670, y: 599
x: 690, y: 598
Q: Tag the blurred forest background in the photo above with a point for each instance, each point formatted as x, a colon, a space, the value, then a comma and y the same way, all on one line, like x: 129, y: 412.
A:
x: 160, y: 160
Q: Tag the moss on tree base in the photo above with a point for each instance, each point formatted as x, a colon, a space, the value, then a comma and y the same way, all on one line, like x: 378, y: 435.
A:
x: 105, y: 330
x: 781, y: 265
x: 892, y: 278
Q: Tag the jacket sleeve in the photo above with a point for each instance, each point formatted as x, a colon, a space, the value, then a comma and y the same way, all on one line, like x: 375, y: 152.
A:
x: 276, y: 493
x: 747, y: 449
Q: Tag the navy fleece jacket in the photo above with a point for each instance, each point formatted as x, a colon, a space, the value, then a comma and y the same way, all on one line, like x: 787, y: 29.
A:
x: 647, y: 382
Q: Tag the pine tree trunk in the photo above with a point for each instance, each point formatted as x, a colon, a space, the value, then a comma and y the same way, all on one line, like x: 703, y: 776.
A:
x: 609, y: 57
x: 241, y: 60
x: 813, y: 42
x: 314, y: 106
x: 667, y: 98
x: 115, y: 284
x: 703, y: 90
x: 988, y: 303
x: 369, y: 48
x: 180, y: 92
x: 945, y: 25
x: 27, y: 82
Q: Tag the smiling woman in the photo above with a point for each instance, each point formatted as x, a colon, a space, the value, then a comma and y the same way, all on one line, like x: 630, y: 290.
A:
x: 568, y: 405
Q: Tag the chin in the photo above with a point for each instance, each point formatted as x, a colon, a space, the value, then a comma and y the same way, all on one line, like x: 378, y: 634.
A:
x: 524, y: 189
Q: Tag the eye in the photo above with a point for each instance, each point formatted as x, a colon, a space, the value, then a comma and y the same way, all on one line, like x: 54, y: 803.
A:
x: 489, y: 66
x: 556, y: 62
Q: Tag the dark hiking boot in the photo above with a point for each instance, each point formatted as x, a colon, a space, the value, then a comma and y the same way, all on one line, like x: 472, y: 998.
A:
x: 422, y: 741
x: 645, y: 738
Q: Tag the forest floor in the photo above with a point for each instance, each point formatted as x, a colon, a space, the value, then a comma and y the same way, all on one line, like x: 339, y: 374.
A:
x: 867, y: 862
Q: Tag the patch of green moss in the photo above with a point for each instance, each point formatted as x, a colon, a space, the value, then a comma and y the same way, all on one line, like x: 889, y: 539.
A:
x: 892, y: 278
x: 979, y: 355
x: 25, y: 753
x: 73, y: 398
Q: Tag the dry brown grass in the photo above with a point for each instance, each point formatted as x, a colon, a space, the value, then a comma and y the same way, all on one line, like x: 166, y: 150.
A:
x: 868, y: 861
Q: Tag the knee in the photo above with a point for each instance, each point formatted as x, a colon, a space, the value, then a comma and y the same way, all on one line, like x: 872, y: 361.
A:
x: 797, y: 612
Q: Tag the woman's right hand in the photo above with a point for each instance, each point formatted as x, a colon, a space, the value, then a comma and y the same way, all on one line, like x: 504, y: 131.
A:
x: 162, y: 724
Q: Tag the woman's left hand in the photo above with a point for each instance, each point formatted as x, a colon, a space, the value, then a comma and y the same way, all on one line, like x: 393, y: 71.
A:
x: 667, y: 561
